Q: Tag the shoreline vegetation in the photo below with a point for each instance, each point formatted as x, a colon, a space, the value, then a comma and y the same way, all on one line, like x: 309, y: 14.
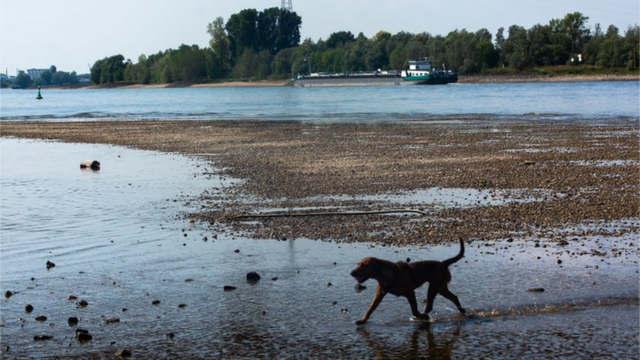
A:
x: 463, y: 79
x: 588, y: 189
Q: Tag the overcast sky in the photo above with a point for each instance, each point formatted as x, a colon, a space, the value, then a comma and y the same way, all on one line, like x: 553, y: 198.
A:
x: 73, y: 34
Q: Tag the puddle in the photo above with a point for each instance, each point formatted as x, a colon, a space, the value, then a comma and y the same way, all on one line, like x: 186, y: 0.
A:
x: 607, y: 163
x: 447, y: 197
x: 118, y: 242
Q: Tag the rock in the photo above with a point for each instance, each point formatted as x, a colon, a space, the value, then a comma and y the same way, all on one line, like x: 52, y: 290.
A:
x: 123, y: 353
x: 8, y: 294
x: 360, y: 287
x: 563, y: 243
x: 182, y: 306
x: 73, y: 321
x: 170, y: 336
x: 82, y: 303
x: 329, y: 284
x: 72, y: 298
x: 83, y: 335
x: 28, y: 308
x: 253, y: 277
x: 229, y: 288
x: 155, y: 302
x: 41, y: 318
x: 90, y: 164
x: 536, y: 290
x: 42, y: 337
x: 529, y: 162
x: 114, y: 320
x: 275, y: 278
x: 50, y: 265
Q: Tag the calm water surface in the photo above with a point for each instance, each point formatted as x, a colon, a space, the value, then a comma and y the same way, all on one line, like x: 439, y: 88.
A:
x: 537, y: 101
x: 118, y: 242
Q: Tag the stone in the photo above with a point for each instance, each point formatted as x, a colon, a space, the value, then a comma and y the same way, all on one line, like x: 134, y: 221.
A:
x: 50, y: 265
x: 28, y: 308
x: 73, y: 321
x: 253, y: 277
x: 229, y: 288
x: 123, y: 353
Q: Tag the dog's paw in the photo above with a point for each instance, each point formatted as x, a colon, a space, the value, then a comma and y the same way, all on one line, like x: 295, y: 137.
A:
x: 420, y: 318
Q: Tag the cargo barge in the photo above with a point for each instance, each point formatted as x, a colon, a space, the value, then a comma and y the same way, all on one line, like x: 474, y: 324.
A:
x: 420, y: 72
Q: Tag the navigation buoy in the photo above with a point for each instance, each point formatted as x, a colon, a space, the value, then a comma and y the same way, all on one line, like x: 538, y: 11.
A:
x: 39, y: 97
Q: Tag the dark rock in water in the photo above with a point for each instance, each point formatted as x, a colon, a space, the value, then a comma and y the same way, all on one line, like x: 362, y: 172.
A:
x: 90, y: 164
x: 41, y: 318
x: 253, y: 277
x: 182, y: 306
x: 42, y: 337
x: 8, y: 294
x: 72, y: 298
x: 237, y: 251
x: 83, y: 335
x: 360, y: 287
x: 82, y: 303
x: 73, y: 321
x: 114, y: 320
x: 170, y: 336
x: 329, y: 284
x: 155, y: 302
x: 563, y: 243
x: 28, y: 308
x: 275, y: 278
x: 536, y: 290
x: 50, y: 265
x: 229, y: 288
x: 123, y: 353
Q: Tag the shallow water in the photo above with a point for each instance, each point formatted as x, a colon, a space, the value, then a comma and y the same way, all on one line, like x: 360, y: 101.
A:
x: 118, y: 242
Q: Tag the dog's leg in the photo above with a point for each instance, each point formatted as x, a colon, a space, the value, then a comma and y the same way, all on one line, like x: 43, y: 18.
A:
x: 376, y: 301
x: 431, y: 295
x: 414, y: 307
x: 449, y: 295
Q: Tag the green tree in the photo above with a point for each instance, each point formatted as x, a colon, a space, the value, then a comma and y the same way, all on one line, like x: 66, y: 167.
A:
x: 45, y: 77
x: 340, y: 38
x: 23, y: 80
x: 220, y: 45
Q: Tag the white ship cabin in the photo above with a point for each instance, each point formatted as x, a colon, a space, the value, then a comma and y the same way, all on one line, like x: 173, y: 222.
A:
x: 418, y: 68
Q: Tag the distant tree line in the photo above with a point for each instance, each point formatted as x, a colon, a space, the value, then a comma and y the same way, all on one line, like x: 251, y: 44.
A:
x: 47, y: 78
x: 254, y: 45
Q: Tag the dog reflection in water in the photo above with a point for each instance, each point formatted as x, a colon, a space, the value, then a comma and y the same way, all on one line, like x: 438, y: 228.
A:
x: 439, y: 345
x: 402, y: 279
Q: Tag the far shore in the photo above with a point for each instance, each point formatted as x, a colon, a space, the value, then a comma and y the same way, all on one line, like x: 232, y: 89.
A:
x: 463, y: 79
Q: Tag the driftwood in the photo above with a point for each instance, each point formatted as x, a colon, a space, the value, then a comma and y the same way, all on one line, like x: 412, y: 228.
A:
x: 330, y: 213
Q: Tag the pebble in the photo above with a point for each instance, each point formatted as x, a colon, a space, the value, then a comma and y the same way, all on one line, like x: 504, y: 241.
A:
x: 123, y: 353
x: 28, y: 308
x: 229, y: 288
x: 253, y: 277
x: 73, y: 321
x: 50, y: 265
x: 536, y: 290
x: 42, y: 337
x: 8, y: 294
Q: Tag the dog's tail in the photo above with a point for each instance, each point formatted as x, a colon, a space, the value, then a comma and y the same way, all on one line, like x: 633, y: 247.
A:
x: 457, y: 257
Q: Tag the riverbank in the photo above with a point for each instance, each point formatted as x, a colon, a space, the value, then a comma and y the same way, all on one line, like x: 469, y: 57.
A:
x: 526, y: 78
x: 492, y: 179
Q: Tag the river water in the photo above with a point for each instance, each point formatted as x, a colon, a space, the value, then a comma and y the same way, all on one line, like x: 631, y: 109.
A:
x: 119, y: 242
x: 537, y: 101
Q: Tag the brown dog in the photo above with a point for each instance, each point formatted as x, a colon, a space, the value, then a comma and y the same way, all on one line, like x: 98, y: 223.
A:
x: 401, y: 279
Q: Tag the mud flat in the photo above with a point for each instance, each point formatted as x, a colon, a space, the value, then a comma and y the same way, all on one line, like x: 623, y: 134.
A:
x: 480, y: 179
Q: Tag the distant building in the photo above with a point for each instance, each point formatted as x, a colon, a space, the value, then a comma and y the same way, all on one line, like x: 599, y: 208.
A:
x: 36, y: 73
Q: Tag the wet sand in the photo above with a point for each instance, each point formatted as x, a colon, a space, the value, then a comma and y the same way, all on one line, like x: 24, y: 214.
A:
x: 552, y: 181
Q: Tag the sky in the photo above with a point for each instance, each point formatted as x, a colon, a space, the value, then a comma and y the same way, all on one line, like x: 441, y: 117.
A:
x: 73, y: 34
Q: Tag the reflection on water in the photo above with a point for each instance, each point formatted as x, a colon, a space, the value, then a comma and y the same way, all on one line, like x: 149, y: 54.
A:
x: 118, y: 243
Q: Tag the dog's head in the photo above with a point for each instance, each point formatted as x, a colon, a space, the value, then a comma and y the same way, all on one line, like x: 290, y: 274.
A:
x: 366, y: 269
